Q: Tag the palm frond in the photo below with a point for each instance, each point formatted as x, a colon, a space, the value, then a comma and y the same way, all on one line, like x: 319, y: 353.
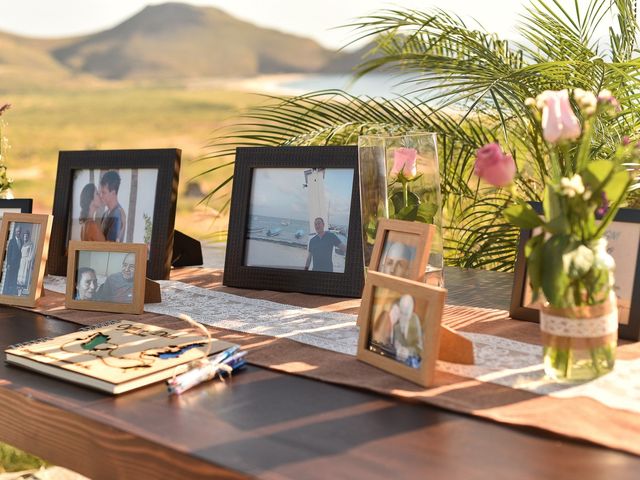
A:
x: 469, y: 86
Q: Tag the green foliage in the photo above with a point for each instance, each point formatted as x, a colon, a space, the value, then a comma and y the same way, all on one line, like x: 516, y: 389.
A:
x: 473, y: 86
x: 14, y: 460
x: 567, y: 258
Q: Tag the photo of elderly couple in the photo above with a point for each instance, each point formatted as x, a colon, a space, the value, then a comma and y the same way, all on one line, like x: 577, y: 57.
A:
x: 19, y: 259
x: 113, y: 205
x: 105, y: 276
x: 397, y: 330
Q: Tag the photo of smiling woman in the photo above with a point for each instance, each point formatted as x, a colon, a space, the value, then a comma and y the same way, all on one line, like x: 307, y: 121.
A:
x: 105, y: 276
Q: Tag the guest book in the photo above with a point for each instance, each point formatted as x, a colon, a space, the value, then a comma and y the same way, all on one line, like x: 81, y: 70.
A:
x: 115, y: 356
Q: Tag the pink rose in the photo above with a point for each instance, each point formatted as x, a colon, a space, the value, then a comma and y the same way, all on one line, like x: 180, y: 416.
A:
x: 558, y: 119
x: 404, y: 160
x: 493, y: 166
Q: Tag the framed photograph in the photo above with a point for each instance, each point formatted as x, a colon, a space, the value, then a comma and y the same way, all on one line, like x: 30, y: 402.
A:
x: 23, y: 238
x: 119, y: 196
x: 623, y: 244
x: 15, y: 205
x: 401, y: 248
x: 106, y: 276
x: 294, y: 223
x: 400, y: 326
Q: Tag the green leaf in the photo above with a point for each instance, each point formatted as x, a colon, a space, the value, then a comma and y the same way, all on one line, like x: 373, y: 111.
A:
x: 555, y: 212
x: 522, y: 215
x: 596, y: 174
x: 426, y: 212
x: 533, y: 252
x: 407, y: 213
x: 398, y: 200
x: 555, y: 280
x: 616, y: 187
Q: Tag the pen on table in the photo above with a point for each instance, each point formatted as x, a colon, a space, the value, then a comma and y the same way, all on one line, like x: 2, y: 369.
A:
x: 231, y: 358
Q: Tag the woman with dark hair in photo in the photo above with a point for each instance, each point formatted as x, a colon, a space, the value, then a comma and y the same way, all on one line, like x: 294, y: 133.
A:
x: 86, y: 284
x: 91, y: 206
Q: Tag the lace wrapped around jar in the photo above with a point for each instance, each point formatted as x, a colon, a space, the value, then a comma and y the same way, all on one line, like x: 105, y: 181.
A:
x: 579, y: 342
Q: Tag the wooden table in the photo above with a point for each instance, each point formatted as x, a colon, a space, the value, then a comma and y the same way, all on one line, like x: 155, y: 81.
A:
x: 271, y: 425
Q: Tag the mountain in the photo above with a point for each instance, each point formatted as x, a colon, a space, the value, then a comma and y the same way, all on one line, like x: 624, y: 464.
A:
x: 24, y: 64
x: 175, y: 40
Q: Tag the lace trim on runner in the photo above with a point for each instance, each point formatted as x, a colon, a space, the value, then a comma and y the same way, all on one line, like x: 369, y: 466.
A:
x: 579, y: 328
x: 498, y: 360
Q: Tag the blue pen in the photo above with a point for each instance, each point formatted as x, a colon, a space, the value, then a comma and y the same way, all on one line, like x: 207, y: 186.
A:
x: 206, y: 371
x: 222, y: 356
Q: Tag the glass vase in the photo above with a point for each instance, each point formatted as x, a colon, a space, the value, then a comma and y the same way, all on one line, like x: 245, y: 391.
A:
x: 579, y: 343
x: 400, y: 179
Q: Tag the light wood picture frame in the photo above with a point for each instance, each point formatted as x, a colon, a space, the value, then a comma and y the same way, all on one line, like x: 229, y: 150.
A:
x: 402, y: 248
x: 400, y: 326
x: 24, y: 239
x: 99, y: 276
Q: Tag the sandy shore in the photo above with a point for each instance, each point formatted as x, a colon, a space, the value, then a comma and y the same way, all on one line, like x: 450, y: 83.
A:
x: 265, y: 84
x: 268, y: 254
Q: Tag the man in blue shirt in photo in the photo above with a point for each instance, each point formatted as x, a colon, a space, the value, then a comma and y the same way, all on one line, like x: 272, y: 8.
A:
x: 321, y: 248
x: 114, y: 219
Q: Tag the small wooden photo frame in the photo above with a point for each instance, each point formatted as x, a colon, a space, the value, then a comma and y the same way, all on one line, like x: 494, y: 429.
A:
x: 400, y: 326
x: 623, y: 236
x: 401, y: 248
x: 24, y: 240
x: 106, y: 276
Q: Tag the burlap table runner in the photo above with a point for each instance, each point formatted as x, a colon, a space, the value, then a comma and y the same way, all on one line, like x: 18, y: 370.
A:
x: 580, y: 418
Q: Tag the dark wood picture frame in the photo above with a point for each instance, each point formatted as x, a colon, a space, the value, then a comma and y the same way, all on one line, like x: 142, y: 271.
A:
x: 431, y: 298
x: 138, y: 286
x: 39, y: 256
x: 166, y: 161
x: 25, y: 205
x: 517, y: 309
x: 238, y: 274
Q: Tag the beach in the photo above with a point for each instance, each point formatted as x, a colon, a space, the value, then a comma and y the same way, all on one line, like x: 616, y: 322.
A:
x: 266, y: 253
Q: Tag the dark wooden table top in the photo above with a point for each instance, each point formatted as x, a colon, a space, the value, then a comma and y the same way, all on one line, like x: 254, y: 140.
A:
x: 270, y: 425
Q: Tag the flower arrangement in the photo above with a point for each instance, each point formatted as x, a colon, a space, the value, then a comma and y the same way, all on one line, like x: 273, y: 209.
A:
x: 567, y: 259
x: 408, y: 197
x: 5, y: 181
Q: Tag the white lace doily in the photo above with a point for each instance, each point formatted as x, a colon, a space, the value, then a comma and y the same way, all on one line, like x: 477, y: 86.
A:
x: 497, y: 360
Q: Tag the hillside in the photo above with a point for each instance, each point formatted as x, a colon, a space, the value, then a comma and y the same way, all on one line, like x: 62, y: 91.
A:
x: 23, y: 65
x: 175, y: 40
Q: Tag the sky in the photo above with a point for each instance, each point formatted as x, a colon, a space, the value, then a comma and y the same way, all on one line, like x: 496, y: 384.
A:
x: 278, y: 192
x: 313, y: 18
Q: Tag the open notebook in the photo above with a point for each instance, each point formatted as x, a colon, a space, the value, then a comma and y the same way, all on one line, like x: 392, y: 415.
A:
x: 115, y: 356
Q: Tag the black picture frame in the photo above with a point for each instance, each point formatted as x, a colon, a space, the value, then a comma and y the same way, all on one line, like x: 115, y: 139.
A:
x: 25, y: 205
x: 166, y: 161
x: 517, y: 311
x: 237, y: 274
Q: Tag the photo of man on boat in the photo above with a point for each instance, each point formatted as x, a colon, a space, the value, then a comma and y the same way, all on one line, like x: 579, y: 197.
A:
x: 299, y: 218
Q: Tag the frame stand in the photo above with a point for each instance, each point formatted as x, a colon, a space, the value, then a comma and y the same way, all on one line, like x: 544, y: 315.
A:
x: 454, y: 347
x: 187, y: 251
x: 151, y: 291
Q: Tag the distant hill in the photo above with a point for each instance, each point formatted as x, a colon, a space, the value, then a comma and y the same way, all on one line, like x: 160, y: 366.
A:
x: 25, y: 65
x: 171, y: 41
x: 175, y: 40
